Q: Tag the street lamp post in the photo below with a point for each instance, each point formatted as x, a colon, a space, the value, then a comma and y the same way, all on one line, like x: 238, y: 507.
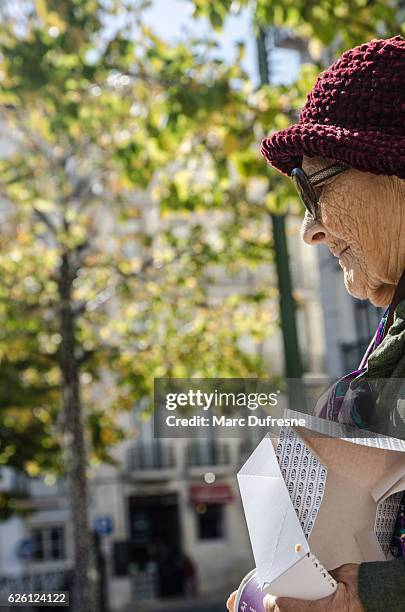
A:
x: 292, y: 356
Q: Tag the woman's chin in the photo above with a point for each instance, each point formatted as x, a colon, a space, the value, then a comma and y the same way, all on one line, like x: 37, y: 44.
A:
x: 356, y: 284
x: 382, y: 296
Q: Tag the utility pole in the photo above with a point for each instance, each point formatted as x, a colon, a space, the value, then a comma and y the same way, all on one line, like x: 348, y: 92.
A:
x: 292, y: 355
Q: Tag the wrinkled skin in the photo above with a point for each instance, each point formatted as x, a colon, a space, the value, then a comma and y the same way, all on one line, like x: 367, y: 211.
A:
x: 365, y: 212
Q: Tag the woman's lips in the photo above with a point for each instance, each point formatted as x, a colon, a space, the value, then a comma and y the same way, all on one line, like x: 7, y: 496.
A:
x: 339, y: 254
x: 343, y: 252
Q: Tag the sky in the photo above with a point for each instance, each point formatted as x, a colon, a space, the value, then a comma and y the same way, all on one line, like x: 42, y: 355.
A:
x: 171, y: 19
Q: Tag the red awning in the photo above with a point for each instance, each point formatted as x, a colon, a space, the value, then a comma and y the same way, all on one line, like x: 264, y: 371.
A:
x: 211, y: 494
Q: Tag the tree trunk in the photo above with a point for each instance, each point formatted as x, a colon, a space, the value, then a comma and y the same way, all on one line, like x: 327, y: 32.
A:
x: 74, y: 448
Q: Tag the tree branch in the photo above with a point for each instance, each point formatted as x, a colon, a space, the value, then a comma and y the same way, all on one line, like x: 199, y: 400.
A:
x: 46, y: 219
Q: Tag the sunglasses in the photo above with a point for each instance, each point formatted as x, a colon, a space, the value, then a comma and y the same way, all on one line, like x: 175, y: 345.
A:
x: 305, y: 185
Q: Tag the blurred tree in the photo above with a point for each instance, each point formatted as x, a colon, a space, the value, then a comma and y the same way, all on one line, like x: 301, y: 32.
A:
x: 129, y: 182
x: 321, y: 30
x: 339, y: 24
x: 28, y: 382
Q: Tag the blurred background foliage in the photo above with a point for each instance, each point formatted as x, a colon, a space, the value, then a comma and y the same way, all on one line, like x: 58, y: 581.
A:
x: 336, y: 24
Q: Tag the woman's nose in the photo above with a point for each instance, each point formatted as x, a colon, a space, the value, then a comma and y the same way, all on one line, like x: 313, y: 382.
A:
x: 312, y: 231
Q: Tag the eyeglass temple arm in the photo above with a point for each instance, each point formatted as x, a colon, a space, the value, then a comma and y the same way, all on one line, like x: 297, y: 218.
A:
x: 322, y: 175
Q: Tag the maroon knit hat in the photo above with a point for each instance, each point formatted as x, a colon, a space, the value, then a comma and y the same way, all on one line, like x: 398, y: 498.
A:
x: 355, y: 114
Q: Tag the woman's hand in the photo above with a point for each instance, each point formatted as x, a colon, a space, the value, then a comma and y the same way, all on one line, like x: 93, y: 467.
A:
x: 344, y: 599
x: 230, y: 604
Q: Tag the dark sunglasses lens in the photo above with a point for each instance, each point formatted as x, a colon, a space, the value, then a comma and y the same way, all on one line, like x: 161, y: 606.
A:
x: 304, y: 189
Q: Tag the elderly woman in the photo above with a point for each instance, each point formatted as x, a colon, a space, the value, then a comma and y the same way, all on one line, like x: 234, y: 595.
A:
x: 346, y: 157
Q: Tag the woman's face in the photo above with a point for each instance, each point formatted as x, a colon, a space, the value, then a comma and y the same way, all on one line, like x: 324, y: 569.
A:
x: 362, y: 222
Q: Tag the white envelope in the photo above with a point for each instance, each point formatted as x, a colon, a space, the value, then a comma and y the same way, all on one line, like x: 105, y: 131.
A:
x: 281, y: 551
x: 287, y: 502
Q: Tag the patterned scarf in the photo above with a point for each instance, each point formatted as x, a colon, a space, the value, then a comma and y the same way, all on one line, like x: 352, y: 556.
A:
x: 334, y: 407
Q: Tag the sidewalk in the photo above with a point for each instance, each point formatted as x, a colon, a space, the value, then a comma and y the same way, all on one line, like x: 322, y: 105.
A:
x: 195, y: 604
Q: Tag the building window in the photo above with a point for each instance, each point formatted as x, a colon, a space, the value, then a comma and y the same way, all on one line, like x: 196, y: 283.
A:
x: 49, y: 543
x: 210, y: 521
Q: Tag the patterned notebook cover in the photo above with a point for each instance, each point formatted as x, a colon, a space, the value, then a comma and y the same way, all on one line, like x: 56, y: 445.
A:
x: 304, y: 475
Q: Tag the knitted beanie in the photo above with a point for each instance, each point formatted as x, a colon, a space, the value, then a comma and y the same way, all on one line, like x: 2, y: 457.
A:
x: 355, y: 114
